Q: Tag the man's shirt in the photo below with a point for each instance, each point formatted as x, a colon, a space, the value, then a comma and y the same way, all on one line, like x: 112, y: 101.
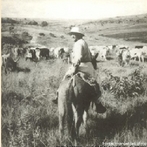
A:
x: 81, y: 52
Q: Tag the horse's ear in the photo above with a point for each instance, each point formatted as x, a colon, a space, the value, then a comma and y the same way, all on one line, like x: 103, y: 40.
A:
x: 96, y: 55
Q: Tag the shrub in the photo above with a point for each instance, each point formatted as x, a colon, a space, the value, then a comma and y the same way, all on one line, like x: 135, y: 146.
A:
x: 33, y: 23
x: 41, y: 34
x: 44, y: 24
x: 133, y: 85
x: 9, y: 20
x: 52, y: 35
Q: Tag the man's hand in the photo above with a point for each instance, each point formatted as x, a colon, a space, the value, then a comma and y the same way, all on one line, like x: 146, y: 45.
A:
x: 75, y: 70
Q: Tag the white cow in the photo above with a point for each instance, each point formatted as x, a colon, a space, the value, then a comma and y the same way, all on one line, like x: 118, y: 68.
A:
x: 4, y: 59
x: 138, y: 53
x: 144, y: 52
x: 56, y: 52
x: 28, y: 54
x: 101, y: 50
x: 124, y: 57
x: 37, y: 51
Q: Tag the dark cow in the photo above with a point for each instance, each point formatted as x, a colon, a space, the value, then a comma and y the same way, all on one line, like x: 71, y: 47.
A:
x: 21, y: 51
x: 61, y: 52
x: 139, y: 46
x: 10, y: 64
x: 33, y: 52
x: 30, y: 54
x: 44, y: 52
x: 66, y: 58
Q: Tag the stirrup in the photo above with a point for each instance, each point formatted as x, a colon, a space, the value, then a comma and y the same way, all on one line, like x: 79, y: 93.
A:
x: 100, y: 108
x: 55, y: 101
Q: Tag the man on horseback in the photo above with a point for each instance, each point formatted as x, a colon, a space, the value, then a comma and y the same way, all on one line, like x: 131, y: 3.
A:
x: 82, y: 64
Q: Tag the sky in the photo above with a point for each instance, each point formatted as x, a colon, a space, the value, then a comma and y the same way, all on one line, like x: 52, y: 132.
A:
x: 72, y: 9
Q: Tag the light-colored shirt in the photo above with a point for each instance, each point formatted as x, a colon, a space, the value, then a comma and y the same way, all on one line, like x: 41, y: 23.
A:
x: 81, y: 52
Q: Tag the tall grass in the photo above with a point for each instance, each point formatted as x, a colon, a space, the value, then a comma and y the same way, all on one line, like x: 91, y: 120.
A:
x: 29, y: 119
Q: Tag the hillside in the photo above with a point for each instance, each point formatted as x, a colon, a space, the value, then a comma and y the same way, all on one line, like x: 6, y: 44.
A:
x: 119, y: 30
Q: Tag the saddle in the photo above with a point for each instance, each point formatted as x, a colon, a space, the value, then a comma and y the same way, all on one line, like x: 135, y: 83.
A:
x: 86, y: 78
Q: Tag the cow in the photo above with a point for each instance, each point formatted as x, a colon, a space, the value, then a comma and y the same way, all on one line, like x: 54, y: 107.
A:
x: 42, y: 52
x: 37, y: 53
x: 15, y: 52
x: 9, y: 63
x: 123, y: 57
x: 58, y: 51
x: 4, y: 59
x: 66, y: 57
x: 111, y: 48
x: 139, y: 53
x: 51, y: 52
x: 101, y: 50
x: 94, y: 50
x: 30, y: 54
x: 139, y: 46
x: 21, y: 51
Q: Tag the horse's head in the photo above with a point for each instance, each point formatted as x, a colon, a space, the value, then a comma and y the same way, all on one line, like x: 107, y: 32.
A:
x: 94, y: 61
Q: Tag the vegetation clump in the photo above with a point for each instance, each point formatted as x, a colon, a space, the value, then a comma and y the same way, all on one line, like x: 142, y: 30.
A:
x: 127, y: 86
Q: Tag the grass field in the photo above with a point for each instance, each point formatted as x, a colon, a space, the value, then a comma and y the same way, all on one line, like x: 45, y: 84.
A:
x: 30, y: 119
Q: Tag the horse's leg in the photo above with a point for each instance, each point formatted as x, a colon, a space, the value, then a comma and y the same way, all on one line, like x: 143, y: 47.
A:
x: 79, y: 121
x: 85, y: 116
x: 61, y: 125
x: 61, y: 110
x: 75, y: 120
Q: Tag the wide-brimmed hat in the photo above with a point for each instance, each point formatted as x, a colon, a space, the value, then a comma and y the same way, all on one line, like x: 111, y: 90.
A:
x: 75, y: 30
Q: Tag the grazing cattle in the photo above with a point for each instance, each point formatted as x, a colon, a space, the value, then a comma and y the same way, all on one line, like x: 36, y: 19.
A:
x: 124, y: 57
x: 30, y: 54
x: 51, y: 52
x: 139, y: 53
x: 122, y: 46
x: 21, y: 51
x: 111, y: 49
x: 4, y: 59
x: 66, y: 57
x: 8, y: 63
x: 60, y: 53
x: 56, y: 52
x: 139, y: 46
x: 14, y: 52
x: 94, y: 50
x: 37, y: 53
x: 101, y: 50
x: 44, y: 52
x: 67, y: 49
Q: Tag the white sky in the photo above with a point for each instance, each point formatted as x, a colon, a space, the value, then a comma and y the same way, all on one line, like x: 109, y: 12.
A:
x: 72, y: 9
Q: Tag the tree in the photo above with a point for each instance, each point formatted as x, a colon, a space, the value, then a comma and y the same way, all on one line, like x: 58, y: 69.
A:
x: 44, y: 24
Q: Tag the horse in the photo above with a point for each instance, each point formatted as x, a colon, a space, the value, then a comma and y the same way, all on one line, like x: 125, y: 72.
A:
x: 74, y: 98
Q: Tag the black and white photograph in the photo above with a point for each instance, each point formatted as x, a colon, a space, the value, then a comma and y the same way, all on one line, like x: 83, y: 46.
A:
x: 73, y: 73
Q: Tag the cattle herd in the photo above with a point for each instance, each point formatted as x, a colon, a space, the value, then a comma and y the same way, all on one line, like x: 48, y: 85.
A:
x: 122, y: 52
